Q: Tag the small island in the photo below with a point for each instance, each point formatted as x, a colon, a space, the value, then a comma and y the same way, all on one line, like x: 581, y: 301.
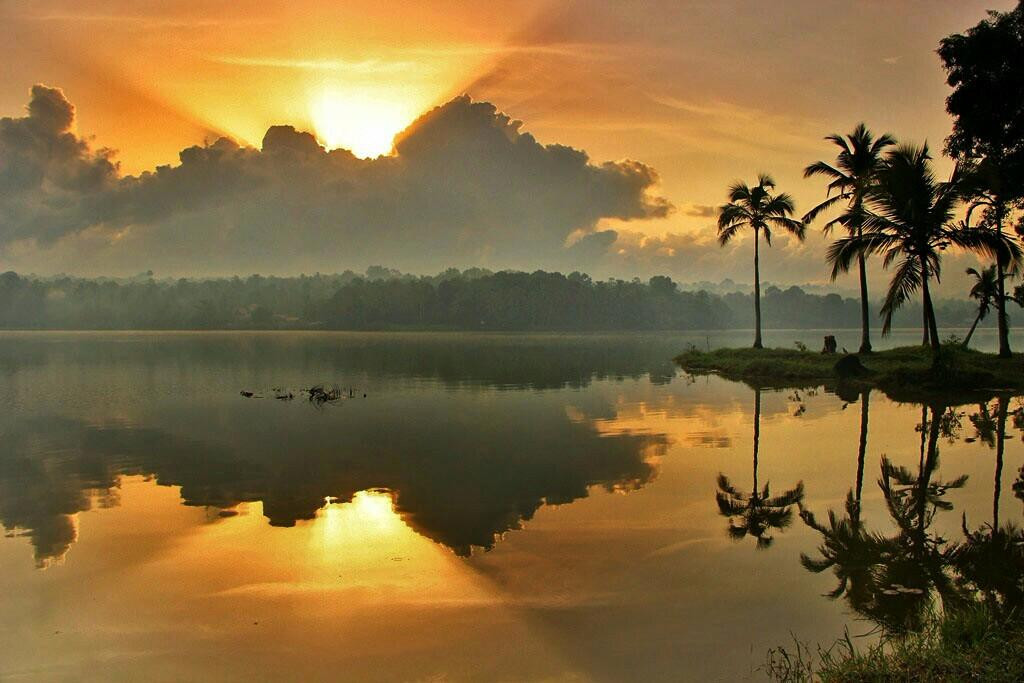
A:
x: 904, y: 374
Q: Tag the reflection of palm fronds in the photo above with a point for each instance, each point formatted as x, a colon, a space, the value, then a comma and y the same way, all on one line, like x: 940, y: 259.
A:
x: 756, y: 513
x: 991, y: 561
x: 847, y: 548
x: 892, y: 580
x: 903, y: 491
x: 984, y: 425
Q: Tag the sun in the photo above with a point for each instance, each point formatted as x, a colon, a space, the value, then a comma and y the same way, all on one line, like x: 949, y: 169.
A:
x: 365, y: 124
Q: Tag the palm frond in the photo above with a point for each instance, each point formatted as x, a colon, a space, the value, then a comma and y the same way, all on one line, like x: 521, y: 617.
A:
x: 825, y: 169
x: 765, y: 181
x: 822, y: 207
x: 842, y: 253
x: 905, y: 281
x: 738, y: 192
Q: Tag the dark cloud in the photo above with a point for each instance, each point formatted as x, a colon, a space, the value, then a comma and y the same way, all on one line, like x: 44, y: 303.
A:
x: 50, y: 179
x: 465, y: 186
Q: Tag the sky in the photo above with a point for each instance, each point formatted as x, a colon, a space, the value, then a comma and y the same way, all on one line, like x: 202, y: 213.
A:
x: 596, y: 136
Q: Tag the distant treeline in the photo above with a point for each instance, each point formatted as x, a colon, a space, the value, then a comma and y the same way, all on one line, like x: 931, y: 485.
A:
x: 385, y: 299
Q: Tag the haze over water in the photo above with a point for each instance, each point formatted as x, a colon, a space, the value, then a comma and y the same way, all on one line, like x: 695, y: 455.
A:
x: 497, y: 507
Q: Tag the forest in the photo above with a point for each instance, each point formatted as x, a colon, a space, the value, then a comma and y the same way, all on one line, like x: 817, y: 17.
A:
x: 385, y: 299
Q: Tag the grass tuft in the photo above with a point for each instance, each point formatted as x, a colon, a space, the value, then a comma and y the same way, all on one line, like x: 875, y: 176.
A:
x: 970, y: 644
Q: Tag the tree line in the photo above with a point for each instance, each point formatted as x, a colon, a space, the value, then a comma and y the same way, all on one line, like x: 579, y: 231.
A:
x: 892, y: 205
x: 383, y: 299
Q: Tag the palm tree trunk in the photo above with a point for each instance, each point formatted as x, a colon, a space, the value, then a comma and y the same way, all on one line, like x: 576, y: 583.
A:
x: 970, y: 332
x: 924, y: 427
x: 757, y: 294
x: 1000, y: 442
x: 1004, y: 332
x: 757, y: 433
x: 862, y: 446
x: 930, y: 462
x: 931, y: 329
x: 865, y: 332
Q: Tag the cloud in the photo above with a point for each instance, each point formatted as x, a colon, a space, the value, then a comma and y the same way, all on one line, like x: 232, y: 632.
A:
x: 49, y: 177
x: 465, y: 186
x: 702, y: 210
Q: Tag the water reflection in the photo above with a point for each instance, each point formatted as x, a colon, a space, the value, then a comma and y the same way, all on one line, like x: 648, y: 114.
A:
x: 894, y: 579
x: 470, y: 439
x: 456, y: 486
x: 756, y: 513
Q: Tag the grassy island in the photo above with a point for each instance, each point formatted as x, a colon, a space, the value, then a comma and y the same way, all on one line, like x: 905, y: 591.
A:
x: 905, y: 373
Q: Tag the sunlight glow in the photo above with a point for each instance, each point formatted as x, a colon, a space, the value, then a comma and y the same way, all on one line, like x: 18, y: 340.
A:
x: 363, y: 123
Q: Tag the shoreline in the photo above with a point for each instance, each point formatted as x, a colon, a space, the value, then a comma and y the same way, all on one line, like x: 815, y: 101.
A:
x: 903, y: 373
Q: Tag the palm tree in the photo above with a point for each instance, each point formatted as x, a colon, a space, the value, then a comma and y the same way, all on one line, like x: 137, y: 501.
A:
x: 757, y: 512
x: 910, y: 220
x: 757, y: 208
x: 985, y: 189
x: 985, y: 291
x: 851, y: 179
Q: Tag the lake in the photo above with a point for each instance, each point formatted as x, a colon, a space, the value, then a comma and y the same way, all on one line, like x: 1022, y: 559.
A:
x: 475, y: 507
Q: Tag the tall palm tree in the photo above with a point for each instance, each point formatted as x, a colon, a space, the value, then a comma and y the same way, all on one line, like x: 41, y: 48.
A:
x: 985, y: 291
x: 760, y: 210
x: 851, y: 178
x: 758, y: 512
x: 910, y: 221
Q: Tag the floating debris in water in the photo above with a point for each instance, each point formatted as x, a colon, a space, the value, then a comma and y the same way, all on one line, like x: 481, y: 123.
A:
x: 318, y: 394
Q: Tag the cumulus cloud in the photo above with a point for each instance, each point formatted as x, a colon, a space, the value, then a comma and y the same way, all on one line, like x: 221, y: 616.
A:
x: 50, y: 180
x: 465, y: 186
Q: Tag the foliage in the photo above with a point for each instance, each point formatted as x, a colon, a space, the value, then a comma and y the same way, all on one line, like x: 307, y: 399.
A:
x: 987, y: 103
x: 384, y: 299
x: 910, y: 221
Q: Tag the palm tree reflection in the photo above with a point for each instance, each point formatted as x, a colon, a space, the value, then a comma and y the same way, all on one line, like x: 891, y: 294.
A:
x: 990, y: 560
x: 893, y: 579
x: 758, y: 512
x: 847, y: 548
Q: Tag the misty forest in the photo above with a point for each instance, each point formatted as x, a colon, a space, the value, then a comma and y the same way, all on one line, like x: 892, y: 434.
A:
x: 383, y: 299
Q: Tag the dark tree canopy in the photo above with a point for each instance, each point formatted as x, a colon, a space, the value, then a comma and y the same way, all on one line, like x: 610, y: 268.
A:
x: 983, y: 67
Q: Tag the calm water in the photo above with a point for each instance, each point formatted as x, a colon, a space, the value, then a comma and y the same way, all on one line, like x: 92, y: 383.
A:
x: 497, y: 508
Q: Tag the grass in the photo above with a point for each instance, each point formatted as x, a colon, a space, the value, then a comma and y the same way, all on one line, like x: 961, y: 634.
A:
x: 905, y: 373
x: 971, y: 644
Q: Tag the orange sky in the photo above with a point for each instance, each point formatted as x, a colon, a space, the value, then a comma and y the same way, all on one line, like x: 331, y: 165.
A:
x: 705, y: 92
